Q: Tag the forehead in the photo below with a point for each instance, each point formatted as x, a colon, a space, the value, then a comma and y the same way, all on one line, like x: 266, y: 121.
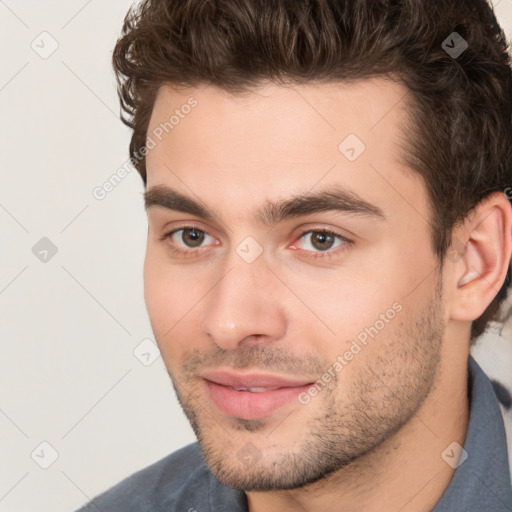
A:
x: 276, y: 140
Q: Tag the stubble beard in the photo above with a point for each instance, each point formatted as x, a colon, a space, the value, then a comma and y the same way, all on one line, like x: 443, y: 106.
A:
x: 399, y: 376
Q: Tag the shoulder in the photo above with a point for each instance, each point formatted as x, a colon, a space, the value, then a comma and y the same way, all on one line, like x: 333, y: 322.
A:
x: 174, y: 479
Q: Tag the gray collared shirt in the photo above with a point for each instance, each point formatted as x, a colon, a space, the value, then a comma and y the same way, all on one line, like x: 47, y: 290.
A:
x: 182, y: 481
x: 482, y: 481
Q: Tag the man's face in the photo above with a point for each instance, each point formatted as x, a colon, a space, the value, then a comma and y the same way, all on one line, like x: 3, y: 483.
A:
x: 298, y: 337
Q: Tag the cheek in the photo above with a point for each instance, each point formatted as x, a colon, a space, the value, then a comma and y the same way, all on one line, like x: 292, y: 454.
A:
x: 164, y: 299
x: 349, y: 298
x: 172, y: 295
x: 363, y: 302
x: 154, y: 285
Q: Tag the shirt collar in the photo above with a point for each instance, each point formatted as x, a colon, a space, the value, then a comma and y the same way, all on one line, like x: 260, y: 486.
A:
x: 482, y: 481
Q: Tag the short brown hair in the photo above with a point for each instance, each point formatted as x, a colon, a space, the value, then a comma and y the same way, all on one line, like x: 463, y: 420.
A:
x: 462, y: 104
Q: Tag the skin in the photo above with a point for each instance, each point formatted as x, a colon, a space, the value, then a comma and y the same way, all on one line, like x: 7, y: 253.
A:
x: 373, y: 438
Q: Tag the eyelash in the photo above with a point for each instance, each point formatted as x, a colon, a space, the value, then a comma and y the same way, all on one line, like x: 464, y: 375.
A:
x: 327, y: 254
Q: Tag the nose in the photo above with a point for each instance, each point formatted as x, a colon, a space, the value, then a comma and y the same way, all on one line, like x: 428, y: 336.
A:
x: 244, y: 307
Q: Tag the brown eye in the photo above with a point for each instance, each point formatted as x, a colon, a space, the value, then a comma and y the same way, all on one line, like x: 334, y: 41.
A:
x: 187, y: 237
x: 192, y: 237
x: 321, y: 240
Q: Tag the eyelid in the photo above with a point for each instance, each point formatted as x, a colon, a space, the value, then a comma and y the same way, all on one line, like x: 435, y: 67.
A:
x: 188, y: 252
x: 168, y: 232
x: 303, y: 231
x: 345, y: 244
x: 322, y: 228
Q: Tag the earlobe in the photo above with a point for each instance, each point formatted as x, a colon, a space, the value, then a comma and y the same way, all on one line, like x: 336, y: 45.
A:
x: 487, y: 241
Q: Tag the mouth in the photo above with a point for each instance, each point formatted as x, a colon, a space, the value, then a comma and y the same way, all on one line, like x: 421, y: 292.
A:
x: 251, y: 396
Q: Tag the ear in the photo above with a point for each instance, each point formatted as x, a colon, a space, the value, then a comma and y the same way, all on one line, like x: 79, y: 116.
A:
x: 481, y: 249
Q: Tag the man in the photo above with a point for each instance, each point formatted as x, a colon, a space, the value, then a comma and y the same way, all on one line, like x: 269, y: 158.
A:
x: 328, y: 235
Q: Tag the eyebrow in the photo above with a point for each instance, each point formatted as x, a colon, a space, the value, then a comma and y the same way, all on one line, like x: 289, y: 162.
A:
x: 325, y: 200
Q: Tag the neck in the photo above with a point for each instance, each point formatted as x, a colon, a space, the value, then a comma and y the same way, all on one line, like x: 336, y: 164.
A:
x: 405, y: 473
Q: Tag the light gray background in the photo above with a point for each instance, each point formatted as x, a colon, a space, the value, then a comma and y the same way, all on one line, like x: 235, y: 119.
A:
x: 70, y: 326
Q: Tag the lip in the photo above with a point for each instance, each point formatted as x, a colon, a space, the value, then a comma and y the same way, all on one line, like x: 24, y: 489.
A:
x: 252, y: 405
x: 253, y: 379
